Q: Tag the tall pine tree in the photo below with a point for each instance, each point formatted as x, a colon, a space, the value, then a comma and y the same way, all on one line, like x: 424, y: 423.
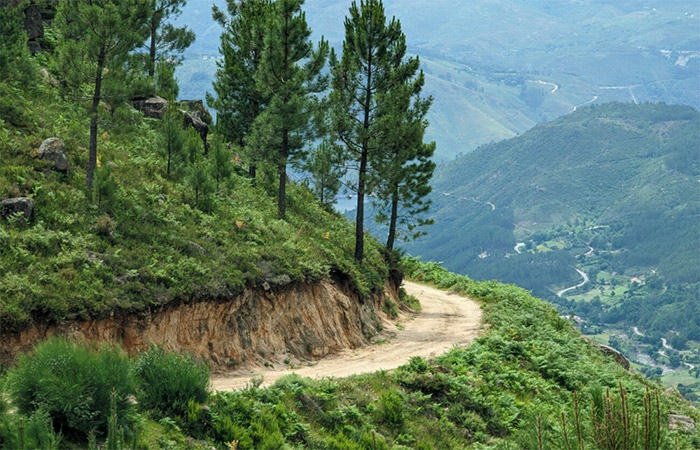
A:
x: 166, y: 40
x: 238, y: 102
x: 404, y: 168
x: 373, y: 52
x: 290, y: 76
x: 94, y: 36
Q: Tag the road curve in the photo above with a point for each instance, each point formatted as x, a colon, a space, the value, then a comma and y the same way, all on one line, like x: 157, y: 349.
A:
x: 446, y: 320
x: 584, y: 275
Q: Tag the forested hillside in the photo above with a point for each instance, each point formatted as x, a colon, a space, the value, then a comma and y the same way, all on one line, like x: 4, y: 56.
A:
x: 611, y: 191
x: 497, y: 68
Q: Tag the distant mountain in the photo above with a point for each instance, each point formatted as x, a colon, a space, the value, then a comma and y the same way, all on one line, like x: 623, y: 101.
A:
x: 611, y: 190
x: 498, y: 67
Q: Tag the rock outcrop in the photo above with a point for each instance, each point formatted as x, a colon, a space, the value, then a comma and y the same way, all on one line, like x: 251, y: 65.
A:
x: 619, y: 357
x: 153, y: 106
x: 681, y: 423
x: 19, y: 205
x: 34, y: 24
x: 194, y: 120
x: 54, y: 151
x: 304, y: 322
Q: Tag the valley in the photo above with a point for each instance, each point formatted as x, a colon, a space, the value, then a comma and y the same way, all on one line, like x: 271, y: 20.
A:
x: 497, y: 68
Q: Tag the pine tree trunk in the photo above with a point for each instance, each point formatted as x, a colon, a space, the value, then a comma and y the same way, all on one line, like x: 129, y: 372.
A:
x: 152, y: 49
x: 360, y: 218
x: 394, y: 218
x: 92, y: 156
x: 282, y: 172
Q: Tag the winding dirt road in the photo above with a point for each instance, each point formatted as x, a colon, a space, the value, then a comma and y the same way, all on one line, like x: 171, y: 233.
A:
x: 446, y: 320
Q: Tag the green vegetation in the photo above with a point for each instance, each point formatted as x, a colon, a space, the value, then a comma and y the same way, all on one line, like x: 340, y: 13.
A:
x: 169, y: 383
x: 147, y: 243
x: 601, y: 190
x: 529, y: 382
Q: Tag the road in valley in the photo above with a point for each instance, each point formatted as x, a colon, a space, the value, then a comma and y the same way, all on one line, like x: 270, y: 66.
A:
x: 584, y: 275
x: 445, y: 320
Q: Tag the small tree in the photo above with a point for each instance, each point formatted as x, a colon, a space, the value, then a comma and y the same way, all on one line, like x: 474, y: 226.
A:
x: 96, y: 35
x: 290, y: 76
x: 165, y: 82
x: 221, y: 163
x: 327, y: 170
x: 15, y: 64
x: 173, y: 138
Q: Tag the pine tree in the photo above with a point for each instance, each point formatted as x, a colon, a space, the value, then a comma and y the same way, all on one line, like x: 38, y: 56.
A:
x: 290, y: 76
x: 221, y: 163
x: 404, y: 168
x: 165, y: 40
x: 239, y: 102
x: 373, y: 52
x: 327, y: 170
x: 14, y: 54
x: 173, y: 138
x: 95, y: 36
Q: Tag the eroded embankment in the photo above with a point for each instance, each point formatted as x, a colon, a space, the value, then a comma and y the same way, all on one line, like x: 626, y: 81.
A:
x: 302, y: 322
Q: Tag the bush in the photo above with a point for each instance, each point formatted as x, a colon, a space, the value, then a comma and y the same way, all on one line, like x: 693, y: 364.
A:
x: 168, y: 382
x: 72, y: 382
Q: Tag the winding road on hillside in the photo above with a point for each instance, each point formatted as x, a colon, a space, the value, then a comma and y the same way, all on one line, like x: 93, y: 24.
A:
x: 446, y: 320
x: 584, y: 275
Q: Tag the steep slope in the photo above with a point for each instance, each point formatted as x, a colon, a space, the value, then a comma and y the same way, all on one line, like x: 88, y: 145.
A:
x: 146, y: 240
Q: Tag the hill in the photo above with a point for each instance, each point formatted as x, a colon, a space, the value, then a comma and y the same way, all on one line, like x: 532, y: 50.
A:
x: 497, y: 68
x: 611, y: 191
x: 147, y: 240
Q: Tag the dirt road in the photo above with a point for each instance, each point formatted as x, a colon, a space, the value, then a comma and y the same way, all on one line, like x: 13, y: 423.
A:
x: 445, y: 320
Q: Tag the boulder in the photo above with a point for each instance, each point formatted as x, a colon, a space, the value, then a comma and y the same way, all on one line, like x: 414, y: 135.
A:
x: 681, y: 423
x: 22, y: 205
x: 619, y: 357
x: 194, y: 120
x: 153, y: 106
x: 54, y: 150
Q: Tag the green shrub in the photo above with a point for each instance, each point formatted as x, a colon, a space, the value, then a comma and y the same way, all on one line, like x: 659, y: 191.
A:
x: 72, y: 382
x: 168, y: 383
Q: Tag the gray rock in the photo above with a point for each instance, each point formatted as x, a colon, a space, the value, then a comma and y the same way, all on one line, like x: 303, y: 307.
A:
x: 193, y: 120
x: 22, y: 205
x: 619, y: 357
x: 153, y: 106
x: 681, y: 423
x: 54, y: 150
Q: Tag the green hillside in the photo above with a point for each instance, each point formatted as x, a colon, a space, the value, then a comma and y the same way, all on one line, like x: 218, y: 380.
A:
x: 611, y: 191
x: 497, y: 68
x: 148, y: 240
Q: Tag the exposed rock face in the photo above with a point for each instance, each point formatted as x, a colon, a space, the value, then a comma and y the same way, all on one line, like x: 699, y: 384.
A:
x: 34, y: 25
x: 619, y: 357
x: 153, y: 106
x: 194, y: 120
x: 22, y: 205
x: 54, y: 150
x: 303, y: 321
x: 681, y: 423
